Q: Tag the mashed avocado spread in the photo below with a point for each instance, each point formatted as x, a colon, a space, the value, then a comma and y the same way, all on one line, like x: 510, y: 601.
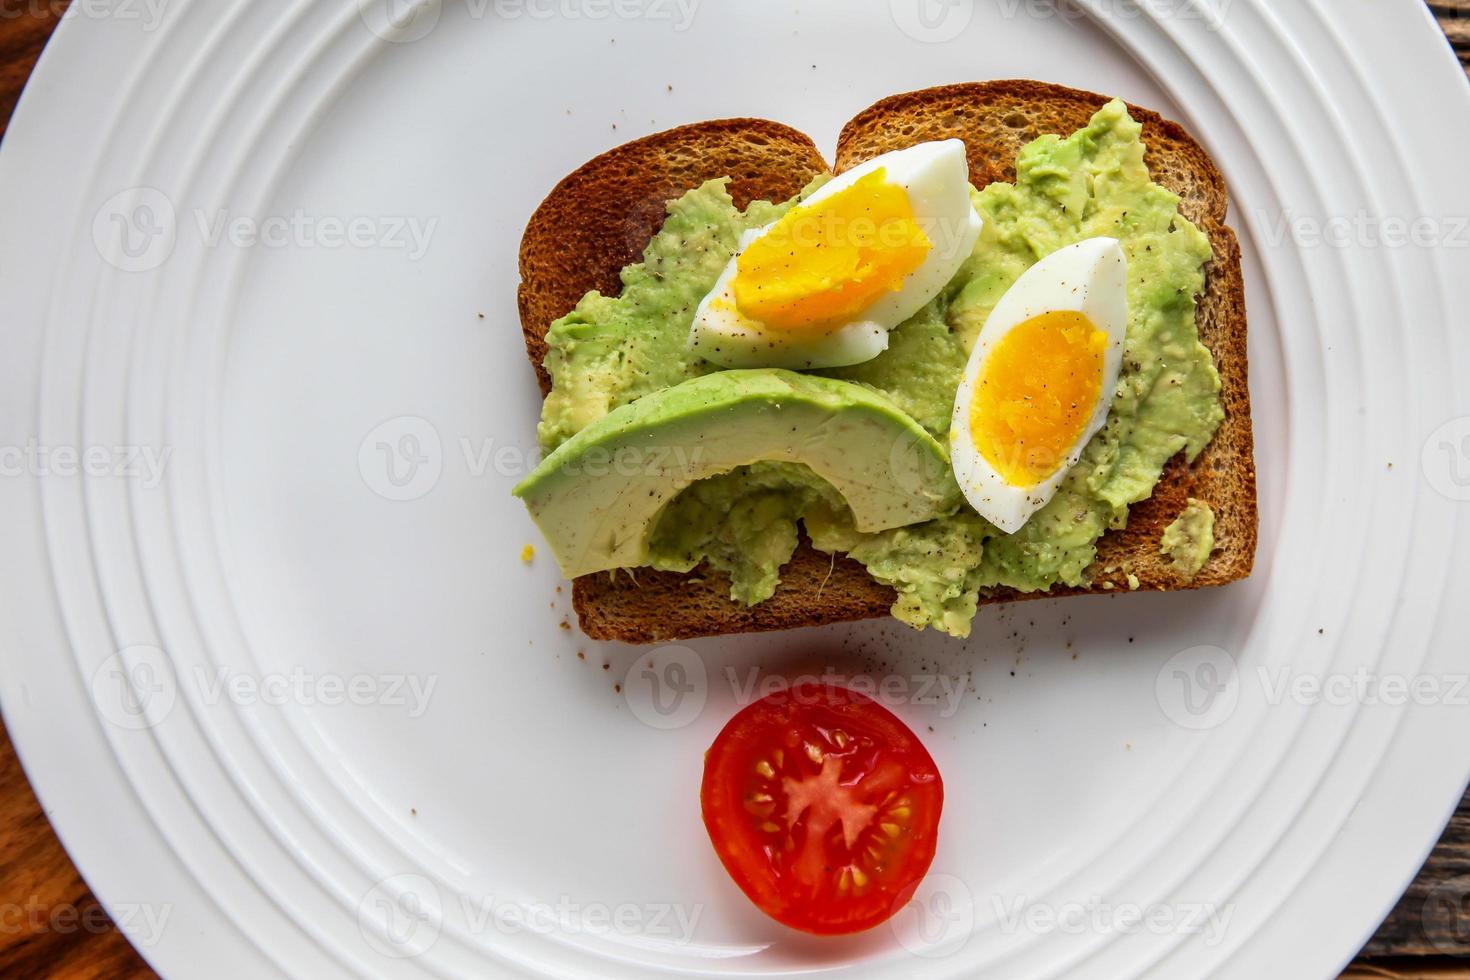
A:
x: 1189, y: 540
x: 610, y: 351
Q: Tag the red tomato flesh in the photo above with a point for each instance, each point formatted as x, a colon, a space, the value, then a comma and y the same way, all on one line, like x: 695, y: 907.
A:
x: 823, y: 807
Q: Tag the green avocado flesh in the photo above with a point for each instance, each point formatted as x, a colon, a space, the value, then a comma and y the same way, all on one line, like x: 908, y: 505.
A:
x: 1190, y: 538
x: 610, y: 351
x: 599, y: 495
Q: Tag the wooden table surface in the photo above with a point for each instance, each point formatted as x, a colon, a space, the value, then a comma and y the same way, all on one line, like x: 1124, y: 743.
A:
x: 52, y: 927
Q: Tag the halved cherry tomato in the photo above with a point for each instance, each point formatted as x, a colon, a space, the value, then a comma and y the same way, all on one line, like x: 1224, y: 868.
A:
x: 823, y: 807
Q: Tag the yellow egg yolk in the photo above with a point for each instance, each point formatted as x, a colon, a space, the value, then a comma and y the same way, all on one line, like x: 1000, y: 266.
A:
x: 826, y: 262
x: 1035, y: 394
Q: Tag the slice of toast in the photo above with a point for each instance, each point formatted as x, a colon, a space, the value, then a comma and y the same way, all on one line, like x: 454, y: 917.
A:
x: 600, y: 217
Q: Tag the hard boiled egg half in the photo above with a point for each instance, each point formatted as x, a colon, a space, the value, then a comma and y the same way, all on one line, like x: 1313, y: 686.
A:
x: 1040, y: 380
x: 822, y: 286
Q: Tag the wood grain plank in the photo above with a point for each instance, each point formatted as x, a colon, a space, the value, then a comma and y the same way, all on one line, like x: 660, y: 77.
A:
x: 51, y: 926
x: 1407, y: 968
x: 1433, y: 917
x: 1454, y: 20
x: 25, y: 26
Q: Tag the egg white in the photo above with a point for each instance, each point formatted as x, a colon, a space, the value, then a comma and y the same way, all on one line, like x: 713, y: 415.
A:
x: 936, y: 176
x: 1091, y: 278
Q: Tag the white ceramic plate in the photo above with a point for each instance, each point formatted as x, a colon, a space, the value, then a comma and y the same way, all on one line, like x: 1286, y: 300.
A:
x: 296, y: 707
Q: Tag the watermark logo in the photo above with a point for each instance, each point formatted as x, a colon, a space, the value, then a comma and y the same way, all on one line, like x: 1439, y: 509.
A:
x: 299, y: 686
x: 406, y: 21
x: 401, y: 917
x: 302, y: 229
x: 1096, y: 916
x: 139, y: 229
x: 400, y: 21
x: 138, y: 687
x: 144, y: 464
x: 678, y: 14
x: 810, y: 228
x: 402, y: 458
x: 148, y: 14
x: 668, y: 688
x: 135, y: 688
x: 142, y: 923
x: 1198, y: 688
x: 136, y: 230
x: 943, y: 693
x: 1364, y: 687
x: 1446, y: 459
x: 664, y: 921
x: 1445, y: 916
x: 938, y: 920
x: 505, y: 460
x: 1364, y: 230
x: 917, y: 469
x: 676, y: 464
x: 932, y: 21
x: 1211, y: 14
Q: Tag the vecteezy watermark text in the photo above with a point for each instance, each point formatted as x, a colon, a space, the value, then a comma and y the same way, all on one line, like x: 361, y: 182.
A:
x: 142, y: 923
x: 1363, y: 686
x: 301, y: 229
x: 939, y: 21
x: 669, y: 687
x: 148, y: 14
x: 403, y: 458
x: 138, y: 230
x: 138, y: 687
x: 145, y: 464
x: 1095, y: 916
x: 402, y: 916
x: 670, y: 921
x: 1362, y: 229
x: 406, y: 21
x: 1199, y: 688
x: 1210, y: 12
x: 929, y: 690
x: 299, y: 686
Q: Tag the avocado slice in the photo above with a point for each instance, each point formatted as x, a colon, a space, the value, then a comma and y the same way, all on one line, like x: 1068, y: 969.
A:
x: 598, y: 496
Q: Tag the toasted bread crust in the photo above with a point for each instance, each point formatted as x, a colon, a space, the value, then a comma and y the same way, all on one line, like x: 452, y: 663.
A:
x: 602, y: 215
x: 602, y: 207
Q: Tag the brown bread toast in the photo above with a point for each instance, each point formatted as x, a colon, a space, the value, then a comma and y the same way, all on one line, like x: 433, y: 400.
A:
x: 600, y: 217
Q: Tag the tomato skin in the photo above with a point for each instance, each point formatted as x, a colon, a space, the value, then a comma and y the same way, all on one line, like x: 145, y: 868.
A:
x: 823, y: 807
